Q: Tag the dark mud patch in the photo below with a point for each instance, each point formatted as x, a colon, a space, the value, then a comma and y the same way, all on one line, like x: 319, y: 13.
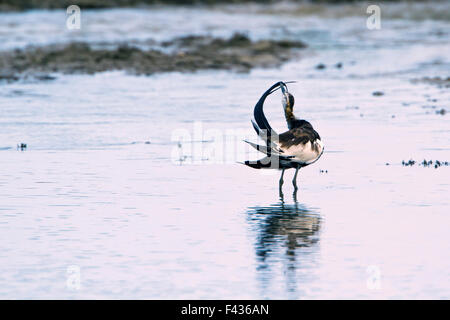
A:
x: 378, y: 93
x: 22, y: 146
x: 437, y: 81
x: 426, y: 163
x: 185, y: 54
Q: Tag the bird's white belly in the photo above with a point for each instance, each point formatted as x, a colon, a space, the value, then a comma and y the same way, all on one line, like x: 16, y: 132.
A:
x: 305, y: 153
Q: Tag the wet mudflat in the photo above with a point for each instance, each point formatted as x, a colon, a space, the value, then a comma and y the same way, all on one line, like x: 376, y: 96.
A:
x: 103, y: 184
x: 190, y: 53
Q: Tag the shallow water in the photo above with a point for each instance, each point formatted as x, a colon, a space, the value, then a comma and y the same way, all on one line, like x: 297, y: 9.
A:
x: 90, y: 192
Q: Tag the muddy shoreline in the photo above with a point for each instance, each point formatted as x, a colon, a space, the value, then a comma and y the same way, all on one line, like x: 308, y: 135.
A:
x: 184, y: 54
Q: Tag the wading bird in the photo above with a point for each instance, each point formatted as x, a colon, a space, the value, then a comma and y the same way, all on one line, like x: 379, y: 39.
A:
x: 296, y: 148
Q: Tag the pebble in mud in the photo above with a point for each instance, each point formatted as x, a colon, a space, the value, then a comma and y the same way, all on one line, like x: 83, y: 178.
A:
x: 320, y: 66
x: 45, y: 77
x: 408, y: 163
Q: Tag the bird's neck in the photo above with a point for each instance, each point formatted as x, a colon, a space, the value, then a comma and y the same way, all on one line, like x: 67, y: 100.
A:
x: 290, y: 117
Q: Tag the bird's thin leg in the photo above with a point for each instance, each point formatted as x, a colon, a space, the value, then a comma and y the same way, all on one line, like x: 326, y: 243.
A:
x: 281, y: 183
x: 294, y: 180
x: 281, y: 178
x: 294, y: 196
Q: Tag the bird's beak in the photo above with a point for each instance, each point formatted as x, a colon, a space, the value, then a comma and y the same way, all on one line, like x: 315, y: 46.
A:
x: 285, y: 93
x: 284, y: 88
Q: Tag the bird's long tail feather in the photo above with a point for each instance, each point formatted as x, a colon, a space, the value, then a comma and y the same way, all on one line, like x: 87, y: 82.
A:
x: 258, y: 112
x: 268, y: 162
x: 263, y: 134
x: 259, y: 164
x: 269, y: 151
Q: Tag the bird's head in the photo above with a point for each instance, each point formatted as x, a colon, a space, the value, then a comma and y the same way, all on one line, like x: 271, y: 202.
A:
x: 287, y: 99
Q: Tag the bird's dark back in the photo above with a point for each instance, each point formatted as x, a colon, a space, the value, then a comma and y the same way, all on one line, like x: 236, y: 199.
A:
x: 301, y: 132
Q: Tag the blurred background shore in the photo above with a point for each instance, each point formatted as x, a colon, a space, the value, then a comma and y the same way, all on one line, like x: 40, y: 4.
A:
x: 138, y: 40
x: 98, y: 4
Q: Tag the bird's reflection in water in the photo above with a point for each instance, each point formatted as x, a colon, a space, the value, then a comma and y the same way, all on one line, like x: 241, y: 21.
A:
x: 286, y: 233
